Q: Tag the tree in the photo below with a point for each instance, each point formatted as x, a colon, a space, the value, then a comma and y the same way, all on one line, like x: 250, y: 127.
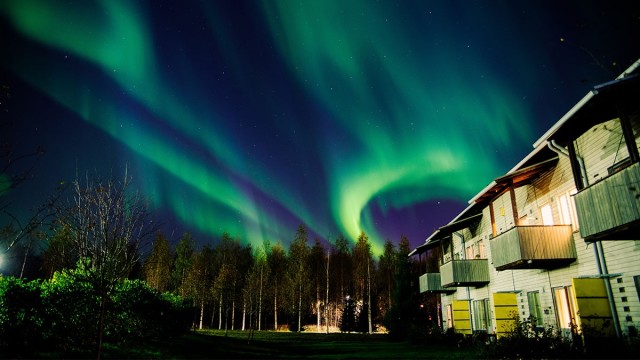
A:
x: 362, y: 259
x: 298, y: 271
x: 60, y: 254
x: 107, y: 224
x: 318, y: 274
x: 182, y: 263
x: 402, y: 313
x: 386, y: 269
x: 277, y: 261
x: 341, y: 273
x: 348, y: 318
x: 199, y: 278
x: 157, y: 266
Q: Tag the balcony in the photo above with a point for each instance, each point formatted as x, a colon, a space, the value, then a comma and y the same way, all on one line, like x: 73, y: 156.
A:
x: 457, y: 273
x: 430, y: 282
x: 610, y: 208
x: 534, y: 247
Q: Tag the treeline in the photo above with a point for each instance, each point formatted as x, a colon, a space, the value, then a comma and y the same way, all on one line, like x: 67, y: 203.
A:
x: 94, y: 239
x: 305, y: 287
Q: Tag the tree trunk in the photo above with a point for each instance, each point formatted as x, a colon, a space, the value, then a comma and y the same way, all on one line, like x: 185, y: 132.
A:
x: 326, y: 302
x: 300, y: 306
x: 369, y: 296
x: 233, y: 313
x: 220, y: 312
x: 275, y: 307
x: 103, y: 305
x: 201, y: 312
x: 319, y: 326
x: 26, y: 253
x: 260, y: 301
x: 244, y: 313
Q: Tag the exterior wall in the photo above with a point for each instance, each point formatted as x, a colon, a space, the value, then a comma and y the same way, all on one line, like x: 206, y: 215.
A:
x: 622, y: 259
x: 547, y: 189
x: 601, y: 147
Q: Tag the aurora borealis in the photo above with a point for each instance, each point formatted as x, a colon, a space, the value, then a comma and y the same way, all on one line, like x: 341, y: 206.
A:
x: 252, y: 117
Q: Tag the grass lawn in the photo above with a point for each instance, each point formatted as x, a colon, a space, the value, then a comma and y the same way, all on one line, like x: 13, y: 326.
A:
x: 212, y: 344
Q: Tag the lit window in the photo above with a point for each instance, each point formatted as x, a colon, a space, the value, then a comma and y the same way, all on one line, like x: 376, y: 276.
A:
x: 547, y: 215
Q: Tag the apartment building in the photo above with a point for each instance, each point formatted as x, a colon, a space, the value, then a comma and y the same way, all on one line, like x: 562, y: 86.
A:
x: 556, y: 240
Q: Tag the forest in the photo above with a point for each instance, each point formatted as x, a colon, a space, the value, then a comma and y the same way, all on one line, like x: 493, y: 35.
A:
x: 111, y: 271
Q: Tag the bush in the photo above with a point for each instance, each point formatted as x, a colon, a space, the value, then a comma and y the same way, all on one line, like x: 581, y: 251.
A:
x: 72, y: 309
x: 139, y: 313
x: 63, y: 314
x: 21, y: 316
x: 529, y: 342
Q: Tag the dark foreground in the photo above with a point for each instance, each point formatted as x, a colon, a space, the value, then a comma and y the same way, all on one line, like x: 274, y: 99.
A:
x: 281, y: 345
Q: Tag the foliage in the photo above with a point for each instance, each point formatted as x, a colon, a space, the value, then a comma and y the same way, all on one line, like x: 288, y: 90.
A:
x: 138, y: 313
x: 403, y: 314
x: 21, y: 315
x: 157, y: 266
x: 182, y: 263
x: 526, y: 341
x: 72, y: 304
x: 63, y: 314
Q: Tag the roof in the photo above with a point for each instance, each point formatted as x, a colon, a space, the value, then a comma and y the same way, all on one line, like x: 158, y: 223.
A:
x: 456, y: 224
x: 596, y: 105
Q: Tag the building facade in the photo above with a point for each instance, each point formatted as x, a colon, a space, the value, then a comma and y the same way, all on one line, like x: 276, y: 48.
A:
x: 556, y: 240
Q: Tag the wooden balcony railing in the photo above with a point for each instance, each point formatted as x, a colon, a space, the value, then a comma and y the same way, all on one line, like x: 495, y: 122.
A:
x: 458, y: 273
x: 610, y: 208
x: 534, y: 247
x: 430, y: 282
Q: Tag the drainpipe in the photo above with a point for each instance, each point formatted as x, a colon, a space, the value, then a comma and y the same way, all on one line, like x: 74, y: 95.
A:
x: 598, y: 250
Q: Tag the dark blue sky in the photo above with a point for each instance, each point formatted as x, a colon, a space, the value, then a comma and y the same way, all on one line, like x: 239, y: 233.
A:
x: 252, y: 117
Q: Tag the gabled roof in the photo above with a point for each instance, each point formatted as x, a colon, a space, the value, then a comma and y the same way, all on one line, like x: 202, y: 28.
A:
x: 472, y: 213
x: 598, y: 105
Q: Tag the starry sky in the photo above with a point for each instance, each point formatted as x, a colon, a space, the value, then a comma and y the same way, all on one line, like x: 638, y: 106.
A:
x: 253, y: 117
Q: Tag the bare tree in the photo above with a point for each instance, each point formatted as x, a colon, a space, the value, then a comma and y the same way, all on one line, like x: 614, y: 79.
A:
x: 107, y: 225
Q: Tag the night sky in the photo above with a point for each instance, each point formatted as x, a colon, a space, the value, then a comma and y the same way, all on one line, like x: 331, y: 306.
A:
x: 252, y: 117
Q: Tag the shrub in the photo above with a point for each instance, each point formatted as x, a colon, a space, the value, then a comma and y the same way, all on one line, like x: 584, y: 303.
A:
x: 64, y: 313
x: 72, y: 308
x: 138, y: 312
x: 529, y: 342
x: 21, y: 317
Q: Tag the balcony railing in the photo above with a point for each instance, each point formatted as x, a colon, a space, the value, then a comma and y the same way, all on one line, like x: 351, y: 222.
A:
x: 430, y: 282
x: 534, y: 247
x: 458, y: 273
x: 610, y: 208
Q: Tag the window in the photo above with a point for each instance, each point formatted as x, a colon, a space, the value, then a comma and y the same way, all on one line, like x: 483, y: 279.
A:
x: 469, y: 252
x: 572, y: 207
x: 564, y: 302
x: 636, y: 280
x: 481, y: 249
x: 565, y: 213
x: 449, y: 316
x: 535, y: 310
x: 482, y: 315
x: 547, y: 215
x: 567, y: 208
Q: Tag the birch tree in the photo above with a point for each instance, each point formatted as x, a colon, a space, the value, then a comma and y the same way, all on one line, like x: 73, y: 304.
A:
x: 157, y: 266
